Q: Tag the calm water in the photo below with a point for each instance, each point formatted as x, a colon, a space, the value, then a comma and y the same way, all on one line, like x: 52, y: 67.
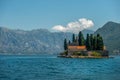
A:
x: 45, y: 67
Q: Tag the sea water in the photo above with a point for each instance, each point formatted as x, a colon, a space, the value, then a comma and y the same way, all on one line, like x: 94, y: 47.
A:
x: 47, y: 67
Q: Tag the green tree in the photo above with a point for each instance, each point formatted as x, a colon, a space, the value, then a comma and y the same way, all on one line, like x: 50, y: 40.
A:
x: 98, y: 41
x: 91, y: 41
x: 101, y: 44
x: 73, y: 38
x: 81, y: 39
x: 69, y: 42
x: 65, y: 44
x: 95, y: 43
x: 88, y: 44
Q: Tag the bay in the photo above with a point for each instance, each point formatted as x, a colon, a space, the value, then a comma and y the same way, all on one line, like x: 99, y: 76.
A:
x: 51, y: 67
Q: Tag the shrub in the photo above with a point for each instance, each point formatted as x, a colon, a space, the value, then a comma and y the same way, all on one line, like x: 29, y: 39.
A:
x: 94, y: 53
x: 64, y: 53
x: 81, y: 53
x: 77, y: 53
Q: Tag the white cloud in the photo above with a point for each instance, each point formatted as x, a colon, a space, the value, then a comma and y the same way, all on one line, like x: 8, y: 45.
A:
x: 59, y: 28
x: 76, y: 26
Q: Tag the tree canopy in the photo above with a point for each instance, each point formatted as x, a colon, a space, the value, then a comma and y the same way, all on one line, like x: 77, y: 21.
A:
x: 73, y: 38
x: 65, y: 44
x: 91, y: 42
x: 94, y: 42
x: 81, y: 39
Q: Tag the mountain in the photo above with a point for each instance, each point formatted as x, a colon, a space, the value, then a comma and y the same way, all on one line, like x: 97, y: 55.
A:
x: 111, y: 35
x: 32, y: 42
x: 43, y: 41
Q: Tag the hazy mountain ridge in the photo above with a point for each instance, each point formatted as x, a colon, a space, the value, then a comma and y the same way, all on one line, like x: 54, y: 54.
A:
x: 34, y: 41
x: 111, y: 35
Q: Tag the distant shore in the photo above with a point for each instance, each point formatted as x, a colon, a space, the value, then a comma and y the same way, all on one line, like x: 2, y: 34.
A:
x: 84, y: 56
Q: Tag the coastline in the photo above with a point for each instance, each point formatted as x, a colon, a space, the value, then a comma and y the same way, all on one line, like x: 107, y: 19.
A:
x: 83, y: 57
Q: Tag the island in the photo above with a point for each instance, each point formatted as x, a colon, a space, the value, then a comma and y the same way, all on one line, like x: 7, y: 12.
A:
x: 91, y: 47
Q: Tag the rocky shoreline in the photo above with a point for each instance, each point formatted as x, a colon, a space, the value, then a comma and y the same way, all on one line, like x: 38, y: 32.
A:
x: 85, y: 54
x: 82, y: 57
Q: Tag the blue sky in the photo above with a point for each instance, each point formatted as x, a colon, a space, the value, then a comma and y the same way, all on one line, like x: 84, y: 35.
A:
x: 36, y: 14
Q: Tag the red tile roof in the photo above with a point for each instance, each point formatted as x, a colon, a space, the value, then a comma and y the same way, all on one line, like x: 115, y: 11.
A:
x: 77, y: 47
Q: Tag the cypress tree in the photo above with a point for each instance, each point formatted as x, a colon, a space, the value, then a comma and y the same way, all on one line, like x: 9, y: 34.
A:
x: 73, y: 38
x: 65, y: 44
x: 98, y: 41
x: 81, y: 39
x: 95, y: 43
x: 88, y: 45
x: 91, y: 41
x: 87, y: 42
x: 69, y: 42
x: 101, y: 43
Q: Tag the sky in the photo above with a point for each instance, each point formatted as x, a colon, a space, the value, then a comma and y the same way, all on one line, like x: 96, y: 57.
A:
x: 49, y: 14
